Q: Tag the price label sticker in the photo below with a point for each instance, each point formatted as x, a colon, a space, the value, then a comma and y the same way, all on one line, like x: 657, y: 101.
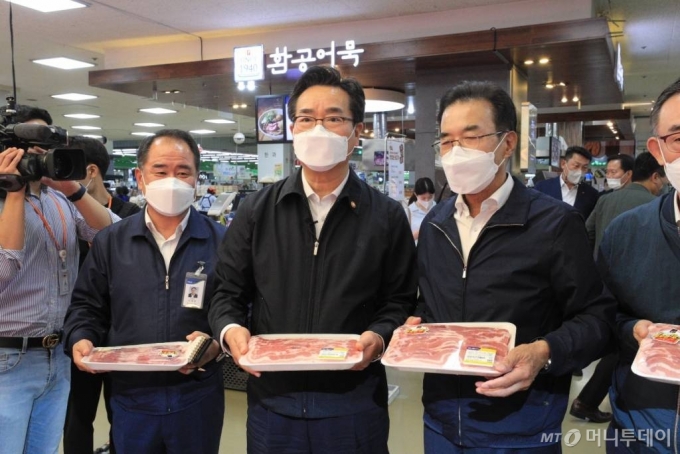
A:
x: 417, y: 330
x: 669, y: 336
x: 168, y: 353
x: 479, y: 356
x: 333, y: 353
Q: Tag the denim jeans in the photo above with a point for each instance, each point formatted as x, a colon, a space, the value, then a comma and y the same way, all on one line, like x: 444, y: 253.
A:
x: 34, y: 388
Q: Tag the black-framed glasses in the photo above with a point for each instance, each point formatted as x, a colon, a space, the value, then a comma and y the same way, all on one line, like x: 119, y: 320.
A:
x: 446, y: 145
x: 305, y: 122
x: 672, y: 141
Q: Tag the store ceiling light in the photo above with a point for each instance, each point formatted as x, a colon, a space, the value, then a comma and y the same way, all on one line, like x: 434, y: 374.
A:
x: 379, y: 100
x: 81, y: 116
x: 63, y: 63
x: 92, y: 136
x: 145, y: 134
x: 528, y: 62
x: 150, y: 125
x: 48, y: 6
x: 220, y: 121
x: 74, y: 96
x: 575, y: 98
x: 544, y: 61
x: 89, y: 128
x: 202, y: 131
x: 158, y: 110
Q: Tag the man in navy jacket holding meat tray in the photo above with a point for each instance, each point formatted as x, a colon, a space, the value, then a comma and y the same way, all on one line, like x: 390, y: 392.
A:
x: 319, y: 252
x: 499, y: 252
x: 639, y: 258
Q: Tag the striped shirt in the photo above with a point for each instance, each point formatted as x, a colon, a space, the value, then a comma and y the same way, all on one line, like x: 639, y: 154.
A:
x: 30, y: 303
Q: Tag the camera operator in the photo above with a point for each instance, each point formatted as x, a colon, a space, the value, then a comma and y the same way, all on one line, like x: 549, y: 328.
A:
x: 39, y: 230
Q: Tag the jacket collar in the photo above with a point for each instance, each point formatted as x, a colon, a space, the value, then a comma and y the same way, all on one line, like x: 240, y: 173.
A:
x: 515, y: 211
x: 353, y: 193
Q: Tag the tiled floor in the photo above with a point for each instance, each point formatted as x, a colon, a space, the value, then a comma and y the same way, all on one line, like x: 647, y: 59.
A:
x: 406, y: 435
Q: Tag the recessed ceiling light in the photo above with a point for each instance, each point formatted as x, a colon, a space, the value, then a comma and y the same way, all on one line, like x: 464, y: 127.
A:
x: 173, y: 92
x: 562, y: 84
x: 544, y: 60
x: 145, y: 134
x: 63, y: 63
x: 549, y: 85
x: 48, y: 6
x: 219, y: 121
x: 85, y: 127
x: 150, y: 125
x: 74, y: 96
x: 158, y: 110
x: 92, y: 136
x: 202, y: 131
x: 528, y: 62
x: 81, y: 116
x: 575, y: 98
x: 564, y: 99
x: 243, y: 106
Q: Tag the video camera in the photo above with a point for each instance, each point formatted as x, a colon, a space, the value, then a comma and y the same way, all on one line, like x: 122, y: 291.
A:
x: 58, y: 163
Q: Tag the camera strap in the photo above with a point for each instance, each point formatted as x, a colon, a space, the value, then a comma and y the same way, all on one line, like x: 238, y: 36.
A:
x: 61, y: 250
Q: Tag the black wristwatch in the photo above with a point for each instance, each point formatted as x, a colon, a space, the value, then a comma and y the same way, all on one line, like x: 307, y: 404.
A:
x: 77, y: 195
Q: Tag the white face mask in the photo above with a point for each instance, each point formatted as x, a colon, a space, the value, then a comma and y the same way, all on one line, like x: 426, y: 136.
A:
x: 672, y: 169
x: 169, y: 196
x: 574, y: 176
x: 426, y: 204
x: 320, y: 149
x: 469, y: 171
x: 614, y: 183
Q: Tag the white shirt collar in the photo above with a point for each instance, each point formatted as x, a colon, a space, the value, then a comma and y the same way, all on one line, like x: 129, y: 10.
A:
x: 309, y: 192
x: 675, y: 206
x: 495, y: 200
x: 178, y: 232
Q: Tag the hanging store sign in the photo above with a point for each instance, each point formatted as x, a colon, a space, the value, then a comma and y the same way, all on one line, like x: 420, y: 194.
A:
x: 248, y: 63
x: 281, y: 58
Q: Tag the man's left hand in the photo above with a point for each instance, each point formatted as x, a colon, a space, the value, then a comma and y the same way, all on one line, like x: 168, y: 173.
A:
x: 372, y: 345
x: 519, y: 369
x: 209, y: 355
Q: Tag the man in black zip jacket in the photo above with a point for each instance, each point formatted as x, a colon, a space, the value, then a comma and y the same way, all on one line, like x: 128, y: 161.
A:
x: 318, y: 252
x: 499, y: 252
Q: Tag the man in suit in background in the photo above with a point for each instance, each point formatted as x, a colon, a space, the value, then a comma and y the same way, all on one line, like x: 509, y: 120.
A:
x: 566, y: 187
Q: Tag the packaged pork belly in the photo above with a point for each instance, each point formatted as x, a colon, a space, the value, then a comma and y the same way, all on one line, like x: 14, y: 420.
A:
x: 658, y: 357
x: 450, y: 348
x: 162, y: 356
x: 296, y: 352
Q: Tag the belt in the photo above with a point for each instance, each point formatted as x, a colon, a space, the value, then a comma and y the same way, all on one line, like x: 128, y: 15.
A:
x: 49, y: 341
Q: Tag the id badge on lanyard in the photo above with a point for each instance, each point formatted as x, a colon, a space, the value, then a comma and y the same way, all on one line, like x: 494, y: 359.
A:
x: 194, y: 288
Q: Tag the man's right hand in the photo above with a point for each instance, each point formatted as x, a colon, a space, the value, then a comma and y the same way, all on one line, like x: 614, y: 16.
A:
x: 641, y: 330
x: 237, y: 339
x: 81, y: 349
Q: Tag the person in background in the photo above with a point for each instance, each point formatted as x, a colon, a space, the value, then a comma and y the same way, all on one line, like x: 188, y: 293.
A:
x: 420, y: 204
x: 132, y: 289
x: 639, y: 258
x: 39, y: 230
x: 647, y: 182
x: 353, y: 273
x: 122, y: 193
x: 206, y: 201
x: 619, y: 171
x: 500, y: 252
x: 86, y: 388
x: 568, y: 186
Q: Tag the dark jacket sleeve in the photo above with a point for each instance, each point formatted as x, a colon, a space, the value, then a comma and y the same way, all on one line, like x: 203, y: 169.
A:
x: 399, y: 277
x: 588, y: 309
x: 89, y: 315
x: 234, y: 286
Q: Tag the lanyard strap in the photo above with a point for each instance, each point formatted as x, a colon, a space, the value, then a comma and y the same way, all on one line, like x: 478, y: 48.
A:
x: 49, y: 229
x: 110, y: 200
